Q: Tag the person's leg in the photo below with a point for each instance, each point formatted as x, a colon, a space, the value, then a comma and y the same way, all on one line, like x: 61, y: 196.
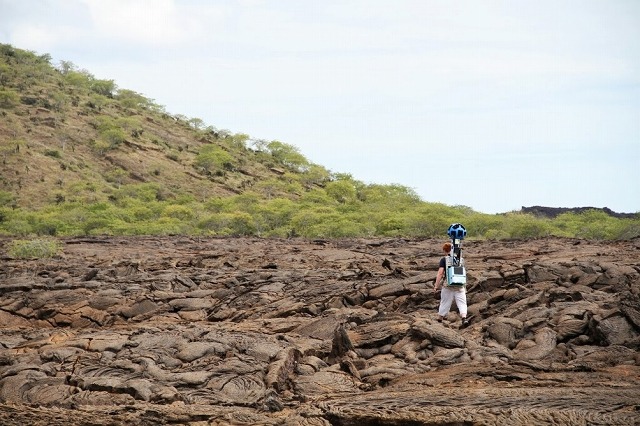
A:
x: 461, y: 302
x: 446, y: 299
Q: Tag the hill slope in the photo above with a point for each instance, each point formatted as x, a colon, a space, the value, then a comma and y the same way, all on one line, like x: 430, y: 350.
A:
x: 81, y: 156
x: 68, y: 134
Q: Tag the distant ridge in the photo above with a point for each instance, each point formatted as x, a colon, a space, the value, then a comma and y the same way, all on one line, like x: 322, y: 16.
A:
x: 552, y: 212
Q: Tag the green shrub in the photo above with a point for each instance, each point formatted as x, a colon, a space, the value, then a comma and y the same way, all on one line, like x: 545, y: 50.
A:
x: 6, y: 198
x: 426, y: 223
x: 131, y: 99
x: 17, y: 226
x: 97, y: 226
x: 113, y: 137
x: 519, y: 225
x: 342, y: 191
x: 288, y: 155
x: 178, y: 212
x: 390, y: 226
x: 277, y: 213
x: 593, y: 224
x: 485, y: 226
x: 103, y: 87
x: 145, y: 192
x: 629, y: 229
x: 36, y: 248
x: 8, y: 99
x: 53, y: 153
x: 231, y: 224
x: 116, y: 175
x: 271, y: 188
x: 212, y: 159
x: 78, y: 78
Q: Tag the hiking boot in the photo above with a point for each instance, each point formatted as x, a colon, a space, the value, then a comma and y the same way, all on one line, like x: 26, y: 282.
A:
x: 466, y: 321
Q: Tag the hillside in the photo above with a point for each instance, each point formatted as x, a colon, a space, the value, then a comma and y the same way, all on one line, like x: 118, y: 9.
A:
x: 67, y: 134
x: 81, y: 156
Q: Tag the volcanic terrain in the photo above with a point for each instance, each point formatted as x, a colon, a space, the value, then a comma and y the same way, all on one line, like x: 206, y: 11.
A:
x: 249, y: 331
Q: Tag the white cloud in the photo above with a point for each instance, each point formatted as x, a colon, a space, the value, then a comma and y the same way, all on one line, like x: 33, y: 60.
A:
x: 41, y: 38
x: 30, y: 25
x: 149, y: 22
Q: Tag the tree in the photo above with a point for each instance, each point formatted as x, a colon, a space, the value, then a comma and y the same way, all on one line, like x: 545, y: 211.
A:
x: 288, y: 156
x: 131, y: 99
x: 342, y: 191
x: 104, y: 87
x: 128, y: 123
x: 239, y: 140
x: 315, y: 175
x: 277, y: 213
x: 212, y: 158
x: 45, y: 58
x: 96, y: 102
x: 260, y: 144
x: 65, y: 67
x: 81, y: 78
x: 196, y: 123
x: 113, y: 137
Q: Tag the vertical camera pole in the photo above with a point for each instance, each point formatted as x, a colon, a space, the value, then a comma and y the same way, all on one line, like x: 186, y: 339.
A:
x: 456, y: 273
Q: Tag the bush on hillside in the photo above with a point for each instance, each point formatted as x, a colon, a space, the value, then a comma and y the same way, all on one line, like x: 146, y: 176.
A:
x: 9, y: 99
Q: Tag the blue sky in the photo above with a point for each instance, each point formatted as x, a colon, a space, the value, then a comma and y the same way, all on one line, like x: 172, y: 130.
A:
x: 494, y: 105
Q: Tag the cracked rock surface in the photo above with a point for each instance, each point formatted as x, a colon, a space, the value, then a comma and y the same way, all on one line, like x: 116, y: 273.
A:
x: 248, y: 331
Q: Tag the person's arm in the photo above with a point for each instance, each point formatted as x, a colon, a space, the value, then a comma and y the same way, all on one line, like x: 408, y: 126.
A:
x: 436, y: 286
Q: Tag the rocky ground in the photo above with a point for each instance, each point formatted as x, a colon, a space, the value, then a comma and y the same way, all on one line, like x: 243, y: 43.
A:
x: 175, y: 330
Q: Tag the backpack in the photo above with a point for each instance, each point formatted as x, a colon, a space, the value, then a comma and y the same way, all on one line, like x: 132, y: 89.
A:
x: 455, y: 272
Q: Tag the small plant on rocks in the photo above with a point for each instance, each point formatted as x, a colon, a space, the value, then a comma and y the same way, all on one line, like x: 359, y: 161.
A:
x: 35, y: 248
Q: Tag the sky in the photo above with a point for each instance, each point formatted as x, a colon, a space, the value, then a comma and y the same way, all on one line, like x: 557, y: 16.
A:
x: 494, y: 105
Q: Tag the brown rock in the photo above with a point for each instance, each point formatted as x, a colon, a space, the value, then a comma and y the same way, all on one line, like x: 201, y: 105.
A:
x: 181, y: 330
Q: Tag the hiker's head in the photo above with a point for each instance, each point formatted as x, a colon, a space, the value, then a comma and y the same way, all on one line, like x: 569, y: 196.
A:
x: 446, y: 247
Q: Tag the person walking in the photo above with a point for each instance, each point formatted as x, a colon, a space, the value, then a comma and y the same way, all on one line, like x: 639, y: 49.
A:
x: 450, y: 293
